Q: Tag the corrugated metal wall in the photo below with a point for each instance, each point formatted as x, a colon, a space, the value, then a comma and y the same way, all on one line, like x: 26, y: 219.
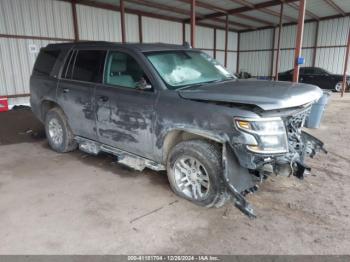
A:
x: 132, y: 28
x: 205, y: 41
x: 257, y: 63
x: 98, y: 24
x: 16, y: 64
x: 32, y: 18
x: 332, y: 33
x: 36, y: 18
x: 330, y: 51
x: 157, y: 30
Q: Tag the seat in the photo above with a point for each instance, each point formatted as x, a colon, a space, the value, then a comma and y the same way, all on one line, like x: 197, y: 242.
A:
x: 118, y: 74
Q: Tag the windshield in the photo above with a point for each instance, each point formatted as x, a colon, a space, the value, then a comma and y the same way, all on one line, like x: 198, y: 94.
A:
x: 180, y: 69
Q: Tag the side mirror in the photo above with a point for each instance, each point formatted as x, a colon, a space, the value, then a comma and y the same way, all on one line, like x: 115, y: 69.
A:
x: 143, y: 86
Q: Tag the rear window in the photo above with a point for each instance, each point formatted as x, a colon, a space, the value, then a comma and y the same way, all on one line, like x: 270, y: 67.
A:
x: 45, y: 62
x: 85, y: 65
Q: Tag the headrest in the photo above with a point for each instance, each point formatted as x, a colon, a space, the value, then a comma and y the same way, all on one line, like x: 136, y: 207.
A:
x: 118, y: 62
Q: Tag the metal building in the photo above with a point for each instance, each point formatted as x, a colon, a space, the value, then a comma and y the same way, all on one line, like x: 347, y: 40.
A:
x: 241, y: 34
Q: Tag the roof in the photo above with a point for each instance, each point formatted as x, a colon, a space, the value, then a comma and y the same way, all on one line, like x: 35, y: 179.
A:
x: 243, y: 14
x: 149, y: 47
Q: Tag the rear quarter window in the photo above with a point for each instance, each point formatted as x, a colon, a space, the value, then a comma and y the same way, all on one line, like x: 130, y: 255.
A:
x: 45, y: 62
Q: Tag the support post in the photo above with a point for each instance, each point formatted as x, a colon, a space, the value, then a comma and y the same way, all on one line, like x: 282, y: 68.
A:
x: 75, y: 20
x: 183, y: 32
x: 299, y: 40
x: 140, y: 29
x: 273, y: 51
x: 226, y: 39
x: 315, y: 45
x: 122, y: 20
x: 214, y: 51
x: 193, y: 22
x: 279, y: 43
x: 346, y: 65
x: 238, y: 47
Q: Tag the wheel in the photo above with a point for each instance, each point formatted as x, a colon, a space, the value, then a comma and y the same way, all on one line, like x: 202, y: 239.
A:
x: 194, y: 171
x: 58, y: 132
x: 338, y: 87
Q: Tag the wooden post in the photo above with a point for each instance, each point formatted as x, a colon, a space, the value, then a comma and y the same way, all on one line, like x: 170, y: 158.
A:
x: 214, y: 51
x: 315, y: 45
x: 75, y: 20
x: 346, y: 65
x: 299, y: 40
x: 226, y: 39
x: 193, y: 23
x: 122, y: 20
x: 140, y: 28
x: 279, y: 43
x: 238, y: 47
x: 273, y: 52
x: 183, y: 33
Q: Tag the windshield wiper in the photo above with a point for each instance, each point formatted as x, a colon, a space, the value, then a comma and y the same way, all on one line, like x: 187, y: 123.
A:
x: 188, y: 86
x: 204, y: 83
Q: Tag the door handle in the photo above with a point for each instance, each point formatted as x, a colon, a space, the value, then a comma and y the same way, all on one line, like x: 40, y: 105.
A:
x: 65, y: 90
x: 103, y: 98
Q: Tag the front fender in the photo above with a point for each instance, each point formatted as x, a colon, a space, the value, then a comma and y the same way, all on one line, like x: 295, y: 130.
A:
x: 237, y: 179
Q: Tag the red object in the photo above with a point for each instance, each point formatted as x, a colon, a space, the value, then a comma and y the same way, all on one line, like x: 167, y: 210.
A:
x: 4, y: 105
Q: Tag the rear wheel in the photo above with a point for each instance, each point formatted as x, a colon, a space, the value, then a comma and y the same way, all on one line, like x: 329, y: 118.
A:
x: 58, y: 132
x: 195, y: 172
x: 338, y: 87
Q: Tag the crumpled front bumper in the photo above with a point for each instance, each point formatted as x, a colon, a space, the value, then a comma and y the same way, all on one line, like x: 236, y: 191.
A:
x: 244, y: 170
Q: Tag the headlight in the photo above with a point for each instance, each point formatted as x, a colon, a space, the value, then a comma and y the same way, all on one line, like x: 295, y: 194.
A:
x: 270, y: 134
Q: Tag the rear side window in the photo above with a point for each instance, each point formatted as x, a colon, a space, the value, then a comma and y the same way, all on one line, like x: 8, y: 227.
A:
x: 309, y: 71
x: 68, y: 65
x: 84, y: 65
x: 45, y: 62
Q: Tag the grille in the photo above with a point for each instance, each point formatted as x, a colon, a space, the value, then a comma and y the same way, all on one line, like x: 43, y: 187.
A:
x: 294, y: 123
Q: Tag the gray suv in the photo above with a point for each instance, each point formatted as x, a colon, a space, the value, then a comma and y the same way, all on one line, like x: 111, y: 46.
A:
x: 173, y: 108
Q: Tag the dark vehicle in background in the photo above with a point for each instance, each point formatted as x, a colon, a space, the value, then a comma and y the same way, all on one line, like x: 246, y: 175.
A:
x: 316, y: 76
x: 173, y: 108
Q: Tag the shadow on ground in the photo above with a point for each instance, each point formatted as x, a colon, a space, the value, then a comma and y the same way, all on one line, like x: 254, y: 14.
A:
x: 20, y: 126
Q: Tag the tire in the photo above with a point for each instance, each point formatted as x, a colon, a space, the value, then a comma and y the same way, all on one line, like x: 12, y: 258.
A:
x: 200, y: 156
x: 58, y: 132
x: 338, y: 87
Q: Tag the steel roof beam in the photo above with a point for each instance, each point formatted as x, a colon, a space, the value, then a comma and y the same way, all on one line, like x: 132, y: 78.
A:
x: 271, y: 12
x: 294, y: 23
x: 249, y: 8
x: 224, y: 11
x: 296, y: 7
x: 335, y: 7
x: 220, y: 20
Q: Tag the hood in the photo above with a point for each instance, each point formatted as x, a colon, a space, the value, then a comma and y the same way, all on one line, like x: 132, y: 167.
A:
x: 268, y: 95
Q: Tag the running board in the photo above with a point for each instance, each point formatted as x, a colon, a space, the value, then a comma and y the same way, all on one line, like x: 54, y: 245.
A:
x: 131, y: 160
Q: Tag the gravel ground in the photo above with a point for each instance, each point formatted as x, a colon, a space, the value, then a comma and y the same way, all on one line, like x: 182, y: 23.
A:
x: 79, y: 204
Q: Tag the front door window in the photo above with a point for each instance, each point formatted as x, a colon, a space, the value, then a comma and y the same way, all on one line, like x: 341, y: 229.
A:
x: 123, y: 70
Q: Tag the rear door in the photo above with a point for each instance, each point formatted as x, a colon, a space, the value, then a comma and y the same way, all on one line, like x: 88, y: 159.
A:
x: 307, y: 75
x: 125, y: 114
x: 75, y: 93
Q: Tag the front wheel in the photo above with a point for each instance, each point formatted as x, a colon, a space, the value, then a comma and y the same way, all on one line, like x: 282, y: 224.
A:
x: 195, y: 172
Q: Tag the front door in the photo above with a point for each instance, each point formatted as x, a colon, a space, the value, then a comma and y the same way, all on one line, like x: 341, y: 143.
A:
x: 75, y: 93
x: 124, y: 112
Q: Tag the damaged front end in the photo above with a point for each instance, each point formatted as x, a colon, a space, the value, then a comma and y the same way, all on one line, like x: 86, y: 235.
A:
x: 275, y: 145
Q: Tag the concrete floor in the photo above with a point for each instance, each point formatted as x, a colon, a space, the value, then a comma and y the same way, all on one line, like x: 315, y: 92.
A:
x: 79, y: 204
